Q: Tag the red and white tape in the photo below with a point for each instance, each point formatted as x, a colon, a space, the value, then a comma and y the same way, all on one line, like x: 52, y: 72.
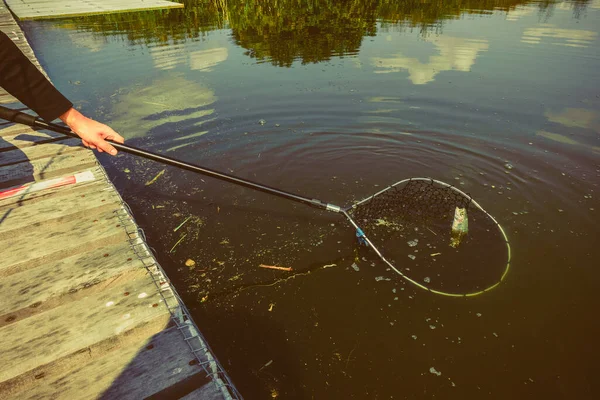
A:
x: 49, y: 184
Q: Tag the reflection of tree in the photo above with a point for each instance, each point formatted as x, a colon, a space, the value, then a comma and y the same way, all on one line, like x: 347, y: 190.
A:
x: 312, y: 31
x: 282, y: 31
x: 155, y: 26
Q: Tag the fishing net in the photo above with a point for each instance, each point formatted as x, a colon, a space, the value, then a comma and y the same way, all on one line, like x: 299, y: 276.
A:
x: 435, y: 236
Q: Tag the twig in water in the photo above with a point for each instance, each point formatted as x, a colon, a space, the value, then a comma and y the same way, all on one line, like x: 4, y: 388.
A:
x: 179, y: 241
x: 180, y: 225
x: 275, y: 267
x: 155, y: 178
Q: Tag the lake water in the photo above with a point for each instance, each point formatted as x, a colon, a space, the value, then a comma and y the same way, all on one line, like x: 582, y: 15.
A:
x: 335, y: 100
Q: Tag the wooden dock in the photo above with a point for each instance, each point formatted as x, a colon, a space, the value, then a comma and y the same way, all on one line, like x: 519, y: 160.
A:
x: 47, y: 9
x: 86, y: 311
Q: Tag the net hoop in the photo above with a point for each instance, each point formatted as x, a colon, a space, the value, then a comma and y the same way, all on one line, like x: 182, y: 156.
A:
x: 414, y: 282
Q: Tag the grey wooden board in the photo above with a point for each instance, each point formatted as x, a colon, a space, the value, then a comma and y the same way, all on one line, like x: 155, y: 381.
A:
x: 39, y: 375
x: 27, y: 139
x: 129, y: 373
x: 55, y: 283
x: 11, y: 129
x: 47, y: 244
x: 64, y: 330
x: 71, y: 206
x: 43, y: 9
x: 28, y: 154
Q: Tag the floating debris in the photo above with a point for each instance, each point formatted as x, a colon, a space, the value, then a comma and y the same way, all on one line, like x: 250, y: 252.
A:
x: 381, y: 278
x: 190, y: 263
x: 180, y: 225
x: 431, y: 327
x: 435, y: 254
x: 267, y: 364
x: 155, y: 178
x: 508, y: 166
x: 426, y: 280
x: 179, y: 241
x: 414, y: 337
x: 411, y: 256
x: 478, y: 314
x: 262, y: 121
x: 413, y: 243
x: 275, y: 267
x: 355, y: 267
x: 435, y: 372
x: 271, y: 306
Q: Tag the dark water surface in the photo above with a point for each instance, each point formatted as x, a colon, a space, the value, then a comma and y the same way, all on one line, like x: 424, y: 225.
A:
x: 336, y: 100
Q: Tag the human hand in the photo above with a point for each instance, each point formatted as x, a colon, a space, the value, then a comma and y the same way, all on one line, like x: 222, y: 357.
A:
x: 93, y: 134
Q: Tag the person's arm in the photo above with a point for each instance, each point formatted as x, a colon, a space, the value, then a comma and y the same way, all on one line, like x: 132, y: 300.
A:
x: 21, y: 78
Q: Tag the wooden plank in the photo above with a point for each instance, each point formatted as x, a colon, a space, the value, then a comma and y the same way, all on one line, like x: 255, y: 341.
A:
x: 45, y: 9
x: 46, y: 168
x: 44, y: 244
x: 14, y: 388
x: 132, y: 373
x: 27, y: 138
x: 65, y: 330
x: 10, y: 129
x: 32, y: 153
x: 66, y: 280
x: 71, y: 206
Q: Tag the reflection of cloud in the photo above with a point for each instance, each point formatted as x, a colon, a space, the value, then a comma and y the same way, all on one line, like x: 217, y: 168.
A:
x: 204, y: 60
x: 564, y: 140
x: 518, y: 13
x: 167, y: 57
x: 85, y: 39
x: 455, y: 54
x: 167, y: 100
x: 595, y: 4
x: 573, y: 117
x: 572, y: 37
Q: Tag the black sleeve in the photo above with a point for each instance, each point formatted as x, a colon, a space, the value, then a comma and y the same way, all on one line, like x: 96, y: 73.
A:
x: 21, y: 78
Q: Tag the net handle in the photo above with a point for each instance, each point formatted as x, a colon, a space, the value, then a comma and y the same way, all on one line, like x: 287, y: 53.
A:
x: 36, y: 122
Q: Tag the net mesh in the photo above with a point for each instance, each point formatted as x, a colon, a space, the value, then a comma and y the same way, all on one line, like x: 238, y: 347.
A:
x: 413, y: 225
